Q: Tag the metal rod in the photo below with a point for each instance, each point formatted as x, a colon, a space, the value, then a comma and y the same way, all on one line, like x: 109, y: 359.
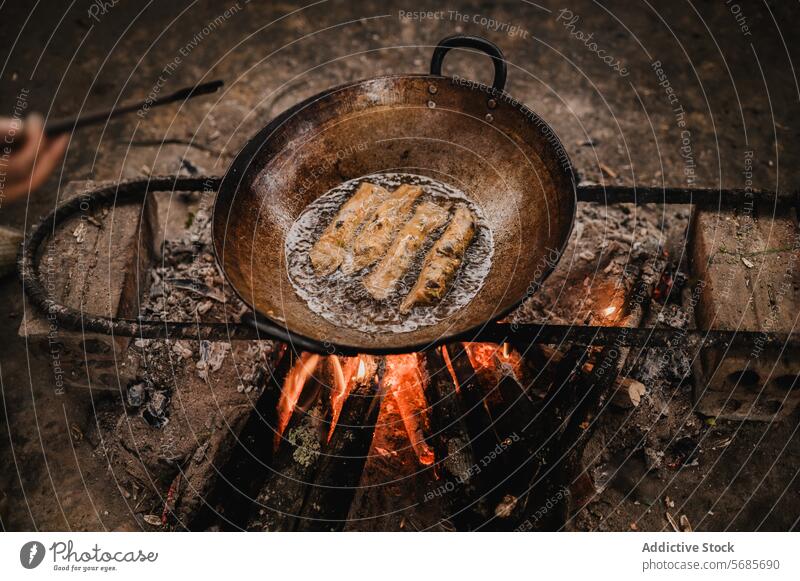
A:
x: 97, y: 117
x: 706, y: 197
x: 497, y: 333
x: 632, y: 337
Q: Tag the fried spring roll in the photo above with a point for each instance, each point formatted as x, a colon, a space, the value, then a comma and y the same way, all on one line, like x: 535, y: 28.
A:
x: 376, y: 236
x: 384, y: 278
x: 329, y: 251
x: 442, y: 261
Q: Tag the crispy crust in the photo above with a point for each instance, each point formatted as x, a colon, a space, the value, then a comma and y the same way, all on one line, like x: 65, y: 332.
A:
x: 384, y: 278
x: 329, y: 251
x: 442, y: 261
x: 376, y: 236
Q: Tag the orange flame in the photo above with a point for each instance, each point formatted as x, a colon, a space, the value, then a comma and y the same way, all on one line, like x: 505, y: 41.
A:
x: 361, y: 374
x: 449, y: 364
x: 344, y: 376
x: 292, y: 388
x: 482, y: 355
x: 491, y: 361
x: 403, y: 382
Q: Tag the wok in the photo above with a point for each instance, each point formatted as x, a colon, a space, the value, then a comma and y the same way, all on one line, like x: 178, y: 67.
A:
x: 466, y: 134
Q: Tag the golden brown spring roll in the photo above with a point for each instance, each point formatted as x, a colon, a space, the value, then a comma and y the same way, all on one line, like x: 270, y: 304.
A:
x: 329, y: 251
x: 376, y: 236
x: 426, y: 219
x: 442, y: 261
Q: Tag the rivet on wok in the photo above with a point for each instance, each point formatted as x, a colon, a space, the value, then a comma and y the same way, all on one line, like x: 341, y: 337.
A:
x: 432, y: 89
x: 431, y: 105
x: 492, y: 103
x: 489, y: 117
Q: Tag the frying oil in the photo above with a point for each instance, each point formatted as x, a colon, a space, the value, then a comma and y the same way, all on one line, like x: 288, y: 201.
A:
x: 342, y: 298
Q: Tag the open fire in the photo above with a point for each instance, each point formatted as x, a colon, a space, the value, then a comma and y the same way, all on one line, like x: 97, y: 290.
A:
x: 450, y: 424
x: 403, y: 382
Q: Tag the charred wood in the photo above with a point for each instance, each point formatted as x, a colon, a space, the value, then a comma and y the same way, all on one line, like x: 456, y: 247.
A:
x: 230, y: 498
x: 472, y: 396
x: 340, y: 468
x: 455, y: 459
x: 281, y: 498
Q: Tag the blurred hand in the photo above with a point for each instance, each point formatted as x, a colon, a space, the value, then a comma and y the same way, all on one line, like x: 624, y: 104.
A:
x: 27, y: 156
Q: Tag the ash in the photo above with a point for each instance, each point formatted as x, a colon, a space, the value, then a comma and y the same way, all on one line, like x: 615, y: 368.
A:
x: 188, y: 285
x: 635, y: 452
x: 183, y: 413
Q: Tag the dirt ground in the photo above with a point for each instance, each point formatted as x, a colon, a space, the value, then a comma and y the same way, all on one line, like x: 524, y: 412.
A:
x: 737, y: 89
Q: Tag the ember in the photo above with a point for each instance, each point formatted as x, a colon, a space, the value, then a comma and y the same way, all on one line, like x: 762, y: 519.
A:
x: 491, y: 361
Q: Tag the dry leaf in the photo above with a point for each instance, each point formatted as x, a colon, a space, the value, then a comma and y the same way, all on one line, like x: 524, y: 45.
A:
x: 672, y: 522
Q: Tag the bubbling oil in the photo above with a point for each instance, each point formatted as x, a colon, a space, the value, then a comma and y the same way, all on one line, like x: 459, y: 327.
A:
x: 342, y: 298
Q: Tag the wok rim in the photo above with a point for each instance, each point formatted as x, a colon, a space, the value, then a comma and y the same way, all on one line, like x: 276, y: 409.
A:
x: 237, y: 170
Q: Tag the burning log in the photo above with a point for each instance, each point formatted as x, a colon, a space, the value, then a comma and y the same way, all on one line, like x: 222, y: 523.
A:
x: 505, y: 457
x: 403, y: 382
x: 561, y: 434
x: 558, y: 442
x: 467, y: 508
x: 339, y: 471
x: 544, y: 444
x: 473, y: 397
x: 298, y: 452
x: 344, y: 368
x: 513, y: 419
x: 293, y: 389
x: 517, y: 411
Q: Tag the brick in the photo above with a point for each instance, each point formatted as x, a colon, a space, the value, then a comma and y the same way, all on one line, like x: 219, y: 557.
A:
x: 749, y: 263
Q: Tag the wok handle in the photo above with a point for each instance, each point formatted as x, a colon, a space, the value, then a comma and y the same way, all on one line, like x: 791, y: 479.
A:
x: 478, y: 43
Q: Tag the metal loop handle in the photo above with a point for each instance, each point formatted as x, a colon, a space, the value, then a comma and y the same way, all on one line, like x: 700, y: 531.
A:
x: 478, y: 43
